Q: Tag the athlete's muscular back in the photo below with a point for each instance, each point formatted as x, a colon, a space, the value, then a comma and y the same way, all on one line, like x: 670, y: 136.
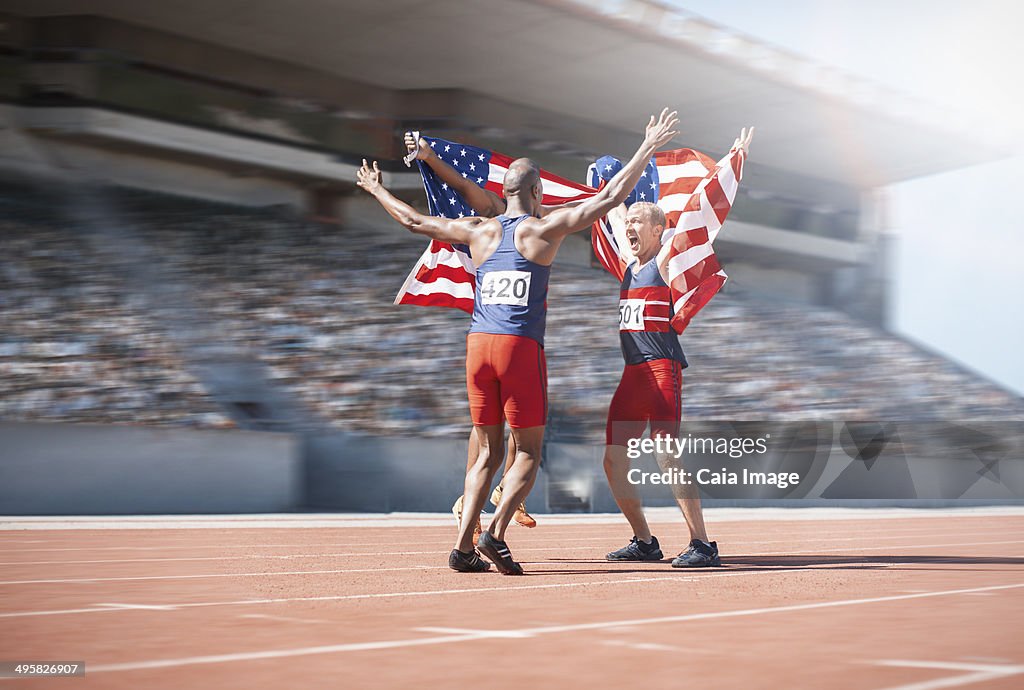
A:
x: 536, y: 240
x: 484, y: 240
x: 533, y: 239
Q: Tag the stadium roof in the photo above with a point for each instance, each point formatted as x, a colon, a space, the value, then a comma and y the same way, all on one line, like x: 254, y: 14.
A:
x: 611, y: 65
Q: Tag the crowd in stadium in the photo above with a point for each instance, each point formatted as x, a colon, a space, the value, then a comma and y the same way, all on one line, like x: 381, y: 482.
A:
x: 82, y: 343
x: 75, y: 346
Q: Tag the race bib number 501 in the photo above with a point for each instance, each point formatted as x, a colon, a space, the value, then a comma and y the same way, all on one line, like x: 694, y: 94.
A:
x: 506, y: 287
x: 631, y: 314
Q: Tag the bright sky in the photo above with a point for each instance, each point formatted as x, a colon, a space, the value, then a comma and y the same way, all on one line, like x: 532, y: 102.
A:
x: 959, y: 279
x: 968, y: 54
x: 959, y: 285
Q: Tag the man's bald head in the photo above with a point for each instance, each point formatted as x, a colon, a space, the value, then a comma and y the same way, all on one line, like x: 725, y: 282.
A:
x: 522, y: 177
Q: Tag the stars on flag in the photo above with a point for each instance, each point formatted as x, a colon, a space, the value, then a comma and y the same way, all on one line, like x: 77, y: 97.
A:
x: 474, y: 164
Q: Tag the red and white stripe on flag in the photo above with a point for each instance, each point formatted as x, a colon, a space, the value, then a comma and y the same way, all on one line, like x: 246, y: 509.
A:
x: 557, y: 190
x: 610, y: 252
x: 695, y: 207
x: 442, y: 277
x: 696, y: 194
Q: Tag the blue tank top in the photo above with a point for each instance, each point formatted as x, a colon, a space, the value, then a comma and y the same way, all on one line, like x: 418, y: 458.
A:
x: 645, y: 315
x: 511, y: 291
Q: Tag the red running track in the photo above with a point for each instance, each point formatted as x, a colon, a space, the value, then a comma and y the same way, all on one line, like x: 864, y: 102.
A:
x: 881, y: 602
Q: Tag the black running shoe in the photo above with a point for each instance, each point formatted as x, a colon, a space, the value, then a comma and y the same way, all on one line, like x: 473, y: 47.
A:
x: 636, y: 550
x: 698, y: 555
x: 497, y: 552
x: 467, y: 562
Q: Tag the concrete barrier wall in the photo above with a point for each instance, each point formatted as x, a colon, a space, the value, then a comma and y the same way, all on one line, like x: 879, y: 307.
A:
x: 369, y: 473
x: 69, y: 469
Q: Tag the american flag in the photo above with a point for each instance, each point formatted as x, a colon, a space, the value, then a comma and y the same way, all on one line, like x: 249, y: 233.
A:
x: 696, y: 194
x: 444, y: 276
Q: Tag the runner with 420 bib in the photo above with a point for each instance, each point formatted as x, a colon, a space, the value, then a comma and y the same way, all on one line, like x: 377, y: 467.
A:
x: 506, y: 373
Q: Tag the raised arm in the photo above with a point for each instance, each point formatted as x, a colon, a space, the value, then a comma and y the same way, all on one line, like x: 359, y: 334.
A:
x: 564, y: 221
x: 485, y: 202
x: 458, y: 231
x: 742, y: 142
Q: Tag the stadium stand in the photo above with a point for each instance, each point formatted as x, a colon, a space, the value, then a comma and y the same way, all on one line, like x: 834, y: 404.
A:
x: 313, y: 302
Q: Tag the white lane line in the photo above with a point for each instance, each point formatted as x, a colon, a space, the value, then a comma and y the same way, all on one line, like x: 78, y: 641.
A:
x: 170, y: 547
x: 644, y: 646
x: 758, y: 611
x: 952, y: 665
x: 283, y: 619
x: 60, y: 612
x: 291, y: 521
x: 176, y: 560
x: 669, y: 577
x: 890, y: 534
x: 367, y: 554
x: 465, y: 631
x: 613, y: 567
x: 850, y: 549
x: 440, y: 540
x: 144, y: 607
x: 880, y: 548
x: 276, y: 654
x: 86, y: 580
x: 449, y: 639
x: 976, y: 673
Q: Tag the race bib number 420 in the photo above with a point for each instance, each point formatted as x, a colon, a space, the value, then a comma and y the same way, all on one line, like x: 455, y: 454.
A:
x: 631, y: 314
x: 506, y: 287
